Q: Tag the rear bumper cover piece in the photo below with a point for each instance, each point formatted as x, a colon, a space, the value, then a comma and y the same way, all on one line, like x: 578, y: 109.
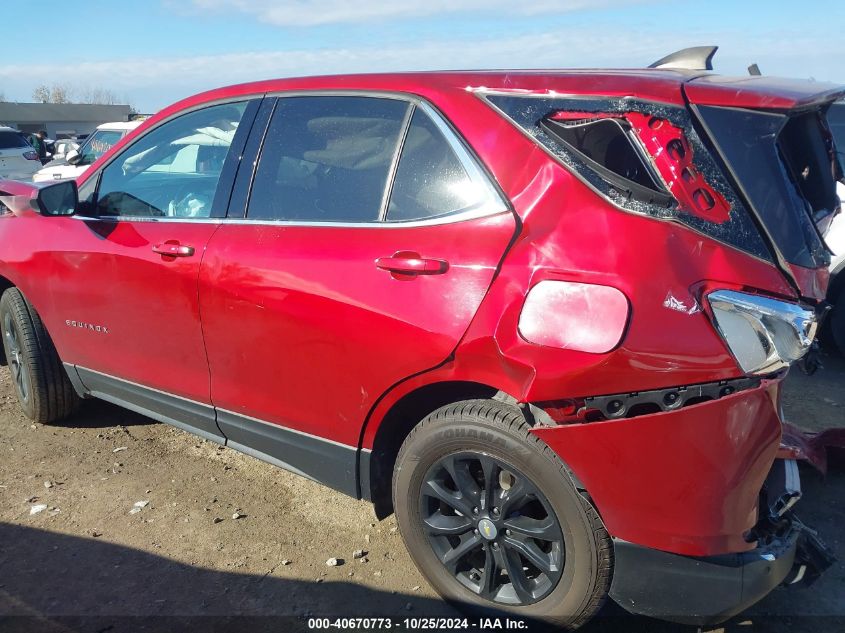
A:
x: 647, y: 474
x: 711, y: 589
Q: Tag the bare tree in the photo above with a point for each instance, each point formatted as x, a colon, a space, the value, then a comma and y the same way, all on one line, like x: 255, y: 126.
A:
x: 60, y: 94
x: 97, y: 95
x: 41, y: 94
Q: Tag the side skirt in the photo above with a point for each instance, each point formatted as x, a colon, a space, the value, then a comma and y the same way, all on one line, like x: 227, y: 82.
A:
x: 317, y: 458
x: 322, y: 460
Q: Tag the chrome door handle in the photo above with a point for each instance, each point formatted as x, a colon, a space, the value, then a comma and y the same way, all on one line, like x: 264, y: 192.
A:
x: 408, y: 263
x: 173, y: 249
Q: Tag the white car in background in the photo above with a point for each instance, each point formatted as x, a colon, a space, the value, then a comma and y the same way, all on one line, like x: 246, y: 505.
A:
x: 18, y: 159
x: 76, y: 162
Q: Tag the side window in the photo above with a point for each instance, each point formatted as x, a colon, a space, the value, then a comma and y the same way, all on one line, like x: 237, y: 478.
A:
x: 327, y: 159
x: 430, y: 179
x: 173, y: 170
x: 98, y: 144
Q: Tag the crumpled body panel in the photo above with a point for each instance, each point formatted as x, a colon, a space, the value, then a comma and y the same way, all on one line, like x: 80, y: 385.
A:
x: 685, y: 481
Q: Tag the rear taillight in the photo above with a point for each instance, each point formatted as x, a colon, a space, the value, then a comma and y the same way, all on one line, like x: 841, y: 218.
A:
x: 30, y: 155
x: 763, y: 334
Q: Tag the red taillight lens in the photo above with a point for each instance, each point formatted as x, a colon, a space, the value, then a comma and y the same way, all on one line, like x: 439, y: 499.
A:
x: 31, y: 155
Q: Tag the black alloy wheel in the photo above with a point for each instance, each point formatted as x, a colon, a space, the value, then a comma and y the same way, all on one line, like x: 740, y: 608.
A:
x: 41, y: 383
x: 492, y: 528
x: 15, y: 358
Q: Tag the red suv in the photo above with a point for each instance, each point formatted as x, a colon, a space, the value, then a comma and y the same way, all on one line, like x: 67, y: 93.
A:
x: 544, y: 317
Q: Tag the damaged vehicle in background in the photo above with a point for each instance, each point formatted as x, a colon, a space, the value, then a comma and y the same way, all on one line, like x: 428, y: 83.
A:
x: 544, y: 317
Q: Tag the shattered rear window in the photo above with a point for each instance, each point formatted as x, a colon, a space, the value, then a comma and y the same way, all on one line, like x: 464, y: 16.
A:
x: 784, y: 164
x: 701, y: 197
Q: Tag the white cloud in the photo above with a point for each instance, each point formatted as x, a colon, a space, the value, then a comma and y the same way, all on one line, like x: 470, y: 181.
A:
x: 153, y: 83
x: 293, y: 13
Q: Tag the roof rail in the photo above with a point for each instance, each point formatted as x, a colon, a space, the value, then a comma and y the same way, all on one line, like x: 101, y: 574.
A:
x: 694, y: 58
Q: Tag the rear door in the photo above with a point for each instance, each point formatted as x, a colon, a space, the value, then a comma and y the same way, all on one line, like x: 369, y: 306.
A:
x: 365, y: 248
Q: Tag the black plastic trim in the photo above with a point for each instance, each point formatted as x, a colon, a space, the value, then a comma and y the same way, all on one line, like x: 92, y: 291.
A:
x: 656, y: 194
x: 325, y: 461
x: 231, y: 164
x: 76, y: 381
x: 317, y: 458
x: 669, y: 399
x: 188, y: 415
x: 249, y: 160
x: 698, y: 590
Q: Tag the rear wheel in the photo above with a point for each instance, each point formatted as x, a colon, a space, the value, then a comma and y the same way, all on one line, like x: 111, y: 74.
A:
x: 492, y: 519
x: 41, y: 383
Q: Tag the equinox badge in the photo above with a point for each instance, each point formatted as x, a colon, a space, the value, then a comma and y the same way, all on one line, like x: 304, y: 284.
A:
x: 87, y: 326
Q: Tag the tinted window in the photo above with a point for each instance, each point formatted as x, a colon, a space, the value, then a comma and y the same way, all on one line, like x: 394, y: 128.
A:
x: 752, y: 145
x: 836, y: 121
x: 12, y: 140
x: 327, y: 159
x: 172, y: 170
x: 430, y: 180
x: 98, y: 144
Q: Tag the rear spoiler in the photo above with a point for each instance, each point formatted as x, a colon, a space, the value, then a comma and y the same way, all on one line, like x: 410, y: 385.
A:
x: 761, y: 92
x: 754, y: 91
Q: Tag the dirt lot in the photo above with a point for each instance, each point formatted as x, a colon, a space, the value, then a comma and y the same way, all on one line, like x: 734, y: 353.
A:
x: 183, y: 557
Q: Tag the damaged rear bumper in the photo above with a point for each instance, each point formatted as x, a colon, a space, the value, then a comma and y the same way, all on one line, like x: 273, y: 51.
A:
x: 711, y: 589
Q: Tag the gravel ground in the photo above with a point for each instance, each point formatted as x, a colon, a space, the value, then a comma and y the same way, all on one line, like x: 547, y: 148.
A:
x: 139, y: 533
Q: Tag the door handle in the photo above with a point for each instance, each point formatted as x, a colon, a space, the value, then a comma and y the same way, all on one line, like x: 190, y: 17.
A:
x: 410, y: 263
x: 172, y: 248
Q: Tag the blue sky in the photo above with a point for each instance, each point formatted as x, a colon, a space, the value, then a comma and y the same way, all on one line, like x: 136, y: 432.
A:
x: 156, y: 52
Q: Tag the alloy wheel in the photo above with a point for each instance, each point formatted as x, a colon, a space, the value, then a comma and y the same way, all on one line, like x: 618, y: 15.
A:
x: 17, y: 366
x: 492, y: 528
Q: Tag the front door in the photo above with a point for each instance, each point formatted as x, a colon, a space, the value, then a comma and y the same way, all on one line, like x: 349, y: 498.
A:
x: 128, y: 304
x: 370, y: 238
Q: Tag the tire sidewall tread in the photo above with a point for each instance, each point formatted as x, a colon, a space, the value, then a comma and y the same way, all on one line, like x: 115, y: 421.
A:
x: 52, y: 396
x: 501, y: 430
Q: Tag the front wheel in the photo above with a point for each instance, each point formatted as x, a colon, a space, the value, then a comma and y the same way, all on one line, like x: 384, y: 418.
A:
x: 41, y: 383
x: 492, y: 519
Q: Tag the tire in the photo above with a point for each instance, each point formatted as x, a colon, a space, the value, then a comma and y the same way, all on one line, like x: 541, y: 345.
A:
x: 466, y: 442
x: 41, y: 383
x: 837, y: 323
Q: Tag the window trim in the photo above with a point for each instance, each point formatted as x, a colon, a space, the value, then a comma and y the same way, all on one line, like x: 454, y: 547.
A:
x: 496, y: 203
x: 394, y: 162
x: 97, y: 175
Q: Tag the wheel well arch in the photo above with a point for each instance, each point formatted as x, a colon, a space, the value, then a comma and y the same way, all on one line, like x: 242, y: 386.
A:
x: 376, y: 471
x: 5, y: 284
